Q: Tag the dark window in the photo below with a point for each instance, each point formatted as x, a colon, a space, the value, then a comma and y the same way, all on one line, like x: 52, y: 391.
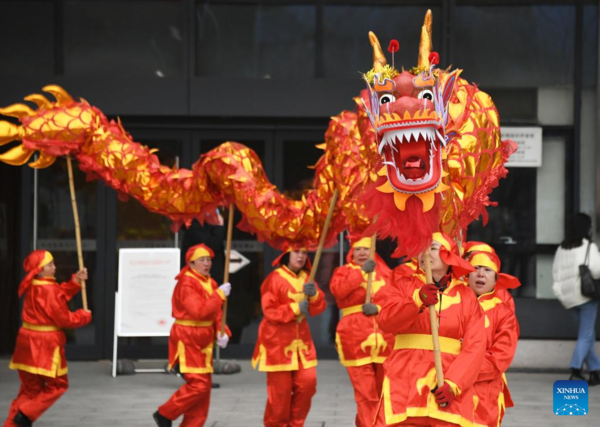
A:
x: 28, y: 33
x: 255, y: 41
x: 120, y: 38
x: 346, y: 48
x: 528, y: 46
x: 590, y: 46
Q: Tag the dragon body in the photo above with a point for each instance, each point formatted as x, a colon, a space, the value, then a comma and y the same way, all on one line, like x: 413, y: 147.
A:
x: 376, y: 157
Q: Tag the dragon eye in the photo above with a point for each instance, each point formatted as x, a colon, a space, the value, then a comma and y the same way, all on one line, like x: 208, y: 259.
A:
x: 426, y: 94
x: 386, y: 98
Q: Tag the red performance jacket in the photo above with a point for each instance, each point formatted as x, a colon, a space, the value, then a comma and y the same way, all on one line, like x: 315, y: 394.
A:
x: 283, y: 343
x: 41, y: 342
x: 410, y: 370
x: 502, y: 330
x: 197, y: 304
x: 358, y: 339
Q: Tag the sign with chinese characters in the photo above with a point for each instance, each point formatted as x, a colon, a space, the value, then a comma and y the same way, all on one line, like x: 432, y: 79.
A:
x: 529, y: 140
x: 146, y: 283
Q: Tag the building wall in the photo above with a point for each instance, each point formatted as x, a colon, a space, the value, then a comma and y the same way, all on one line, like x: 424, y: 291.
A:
x: 186, y: 75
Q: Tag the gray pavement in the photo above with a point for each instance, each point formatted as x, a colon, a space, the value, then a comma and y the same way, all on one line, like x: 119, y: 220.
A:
x: 97, y: 399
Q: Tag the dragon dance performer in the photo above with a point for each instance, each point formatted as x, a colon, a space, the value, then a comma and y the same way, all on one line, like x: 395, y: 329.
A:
x: 410, y: 395
x: 40, y: 351
x: 285, y: 349
x: 361, y: 346
x: 501, y: 329
x: 197, y: 303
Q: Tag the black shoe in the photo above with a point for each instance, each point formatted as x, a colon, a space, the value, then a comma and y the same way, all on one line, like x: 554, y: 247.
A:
x: 161, y: 421
x: 594, y: 378
x: 215, y: 385
x: 174, y: 370
x: 576, y: 375
x: 21, y: 420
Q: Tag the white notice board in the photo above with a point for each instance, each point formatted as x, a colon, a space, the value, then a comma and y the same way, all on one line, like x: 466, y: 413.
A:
x: 529, y: 140
x: 146, y: 283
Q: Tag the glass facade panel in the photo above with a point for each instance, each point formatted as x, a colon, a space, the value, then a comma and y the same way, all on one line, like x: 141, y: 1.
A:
x: 516, y: 46
x: 136, y: 226
x: 255, y: 41
x: 298, y: 155
x: 139, y: 228
x: 346, y: 48
x: 56, y: 233
x: 590, y: 46
x: 117, y: 38
x: 243, y: 309
x: 511, y: 228
x: 27, y: 52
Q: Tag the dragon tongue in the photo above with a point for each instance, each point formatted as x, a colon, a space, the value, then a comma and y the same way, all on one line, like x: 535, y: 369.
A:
x: 413, y: 168
x: 413, y: 160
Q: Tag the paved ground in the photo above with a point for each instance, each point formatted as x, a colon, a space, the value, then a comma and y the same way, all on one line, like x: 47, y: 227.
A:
x: 96, y: 399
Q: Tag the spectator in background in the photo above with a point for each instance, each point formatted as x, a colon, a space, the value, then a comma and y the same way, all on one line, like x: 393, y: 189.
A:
x: 567, y: 287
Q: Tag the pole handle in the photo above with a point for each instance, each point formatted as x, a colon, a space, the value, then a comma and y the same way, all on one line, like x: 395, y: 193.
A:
x: 370, y: 275
x: 437, y: 354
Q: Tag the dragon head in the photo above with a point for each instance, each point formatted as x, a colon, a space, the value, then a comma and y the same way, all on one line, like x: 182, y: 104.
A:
x: 439, y: 148
x: 409, y: 114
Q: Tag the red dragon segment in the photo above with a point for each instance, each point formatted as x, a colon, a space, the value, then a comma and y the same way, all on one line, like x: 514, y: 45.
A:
x: 438, y: 136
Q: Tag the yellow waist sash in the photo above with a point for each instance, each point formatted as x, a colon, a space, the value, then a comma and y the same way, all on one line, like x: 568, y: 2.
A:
x: 351, y: 310
x: 195, y: 323
x: 40, y: 328
x: 425, y: 342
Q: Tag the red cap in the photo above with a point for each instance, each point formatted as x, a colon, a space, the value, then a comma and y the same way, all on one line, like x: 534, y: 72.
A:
x: 287, y: 248
x: 32, y: 265
x: 450, y: 255
x: 198, y: 251
x: 482, y: 254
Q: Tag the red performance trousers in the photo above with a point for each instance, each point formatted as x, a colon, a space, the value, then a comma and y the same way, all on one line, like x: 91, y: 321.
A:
x: 36, y: 395
x: 425, y: 421
x: 367, y: 381
x: 191, y: 401
x: 421, y: 422
x: 289, y: 394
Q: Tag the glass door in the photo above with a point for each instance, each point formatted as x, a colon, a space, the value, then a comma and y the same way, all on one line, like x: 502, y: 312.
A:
x: 54, y: 230
x: 244, y: 303
x: 296, y: 153
x: 135, y: 227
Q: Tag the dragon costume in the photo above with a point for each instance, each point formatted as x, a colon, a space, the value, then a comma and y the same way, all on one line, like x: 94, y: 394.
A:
x: 438, y: 136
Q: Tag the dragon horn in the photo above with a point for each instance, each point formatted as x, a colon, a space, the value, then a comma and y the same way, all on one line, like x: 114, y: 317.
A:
x: 425, y: 45
x: 61, y: 95
x: 379, y: 60
x: 40, y: 100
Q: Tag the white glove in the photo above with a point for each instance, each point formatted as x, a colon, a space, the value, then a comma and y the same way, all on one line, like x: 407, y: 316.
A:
x: 222, y: 340
x: 226, y: 288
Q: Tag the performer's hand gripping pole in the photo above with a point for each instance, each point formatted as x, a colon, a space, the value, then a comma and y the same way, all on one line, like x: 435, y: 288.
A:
x: 227, y: 259
x: 77, y: 230
x: 313, y: 270
x: 370, y: 275
x: 437, y: 354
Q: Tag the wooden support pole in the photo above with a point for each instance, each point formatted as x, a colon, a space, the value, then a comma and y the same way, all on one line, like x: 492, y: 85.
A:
x: 437, y: 354
x: 317, y: 259
x: 227, y: 259
x: 77, y: 230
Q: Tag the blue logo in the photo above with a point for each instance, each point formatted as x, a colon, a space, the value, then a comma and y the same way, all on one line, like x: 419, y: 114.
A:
x: 570, y: 397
